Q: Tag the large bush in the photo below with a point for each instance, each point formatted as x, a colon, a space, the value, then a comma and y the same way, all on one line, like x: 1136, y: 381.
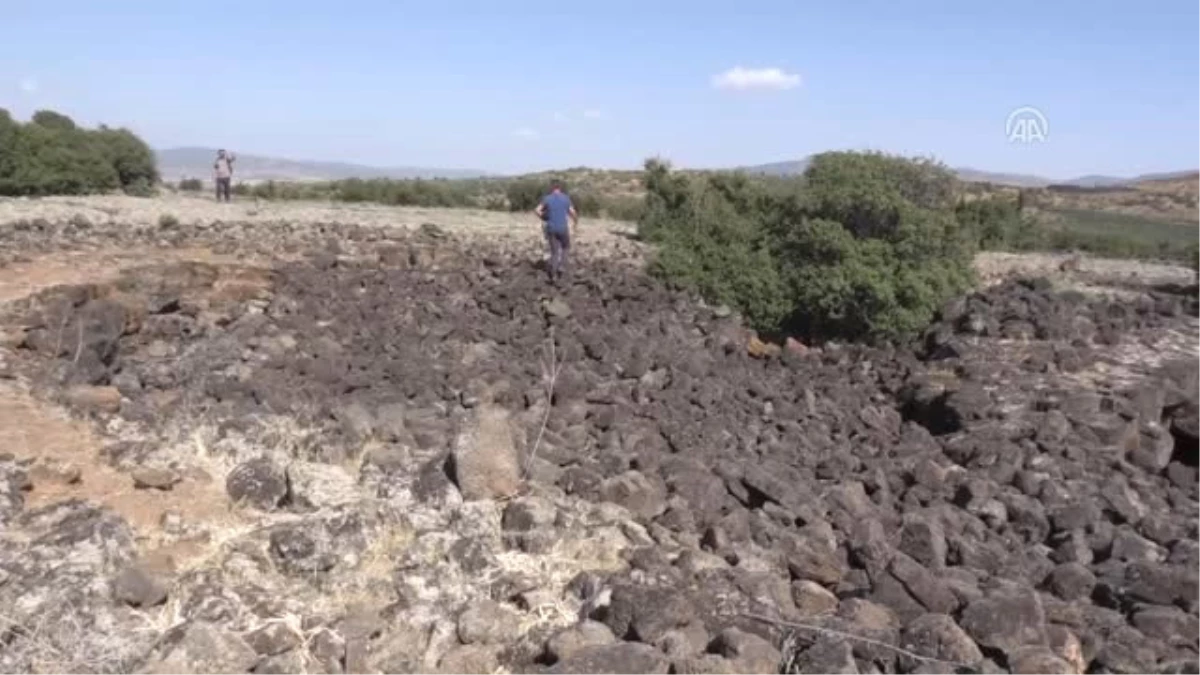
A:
x: 50, y: 154
x: 712, y: 246
x: 864, y: 246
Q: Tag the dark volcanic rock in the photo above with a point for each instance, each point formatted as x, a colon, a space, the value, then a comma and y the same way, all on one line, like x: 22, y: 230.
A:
x: 259, y: 483
x: 914, y: 494
x: 621, y: 657
x: 1006, y: 620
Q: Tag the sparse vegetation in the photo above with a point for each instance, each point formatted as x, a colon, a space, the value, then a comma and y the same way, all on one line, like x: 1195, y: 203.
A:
x: 51, y: 155
x: 1118, y: 234
x: 191, y: 185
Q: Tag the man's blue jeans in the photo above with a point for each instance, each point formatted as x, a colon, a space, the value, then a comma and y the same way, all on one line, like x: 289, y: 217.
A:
x: 559, y: 242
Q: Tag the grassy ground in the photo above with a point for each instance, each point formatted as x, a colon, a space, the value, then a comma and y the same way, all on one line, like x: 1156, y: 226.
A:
x: 1120, y: 234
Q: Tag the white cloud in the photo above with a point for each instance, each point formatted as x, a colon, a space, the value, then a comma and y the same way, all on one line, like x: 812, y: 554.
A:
x: 593, y: 114
x: 559, y: 117
x: 526, y: 134
x: 29, y: 85
x: 739, y: 78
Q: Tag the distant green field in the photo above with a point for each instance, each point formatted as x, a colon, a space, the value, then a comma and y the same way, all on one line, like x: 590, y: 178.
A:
x: 1120, y: 234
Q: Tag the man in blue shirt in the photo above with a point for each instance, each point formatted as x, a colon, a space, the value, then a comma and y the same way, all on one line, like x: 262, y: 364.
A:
x: 555, y: 209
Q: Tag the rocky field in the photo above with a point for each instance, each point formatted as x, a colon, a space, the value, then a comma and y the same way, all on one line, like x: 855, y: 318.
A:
x: 298, y: 447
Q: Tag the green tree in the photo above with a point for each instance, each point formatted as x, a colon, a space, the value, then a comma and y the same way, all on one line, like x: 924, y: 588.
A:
x: 50, y: 154
x: 863, y: 246
x: 129, y: 155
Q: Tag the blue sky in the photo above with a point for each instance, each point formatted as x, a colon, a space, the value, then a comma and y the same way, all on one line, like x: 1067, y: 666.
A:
x: 514, y: 86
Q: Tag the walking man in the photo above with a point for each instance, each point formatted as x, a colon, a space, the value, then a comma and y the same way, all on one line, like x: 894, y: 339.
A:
x: 555, y: 210
x: 223, y: 173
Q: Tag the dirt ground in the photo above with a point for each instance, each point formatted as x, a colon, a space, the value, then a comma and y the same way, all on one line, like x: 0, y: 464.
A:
x: 193, y: 210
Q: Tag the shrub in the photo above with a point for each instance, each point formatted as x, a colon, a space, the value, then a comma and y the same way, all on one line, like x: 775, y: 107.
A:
x: 193, y: 185
x: 52, y: 155
x: 141, y: 188
x: 524, y: 194
x: 167, y: 221
x: 129, y: 155
x: 709, y: 247
x: 629, y: 209
x: 586, y: 204
x: 864, y: 246
x: 997, y: 223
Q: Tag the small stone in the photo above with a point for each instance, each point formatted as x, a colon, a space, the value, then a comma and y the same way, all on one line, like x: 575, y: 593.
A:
x: 1034, y: 660
x: 54, y: 472
x: 570, y: 641
x: 329, y: 649
x: 557, y: 308
x: 480, y: 659
x: 826, y: 655
x: 644, y: 497
x: 356, y: 421
x: 528, y: 513
x: 171, y: 522
x: 272, y: 638
x: 287, y: 663
x: 137, y: 587
x: 94, y: 399
x: 705, y: 664
x: 762, y: 350
x: 812, y: 599
x: 937, y: 636
x: 808, y: 560
x: 486, y: 457
x: 1169, y: 624
x: 153, y: 477
x: 1068, y: 648
x: 923, y: 539
x: 258, y: 483
x: 11, y: 337
x: 205, y: 648
x: 488, y: 622
x: 1071, y: 581
x: 748, y: 652
x: 1007, y: 620
x: 618, y: 658
x: 795, y: 347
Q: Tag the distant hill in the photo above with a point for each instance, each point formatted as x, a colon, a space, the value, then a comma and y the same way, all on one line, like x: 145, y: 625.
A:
x: 178, y: 163
x: 797, y: 167
x: 968, y: 174
x: 792, y: 168
x: 995, y: 178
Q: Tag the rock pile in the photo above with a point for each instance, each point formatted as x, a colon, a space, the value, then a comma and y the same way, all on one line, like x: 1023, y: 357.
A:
x: 965, y: 506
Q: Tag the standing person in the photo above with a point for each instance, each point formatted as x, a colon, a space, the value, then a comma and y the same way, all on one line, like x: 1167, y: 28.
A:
x: 555, y: 210
x: 223, y: 173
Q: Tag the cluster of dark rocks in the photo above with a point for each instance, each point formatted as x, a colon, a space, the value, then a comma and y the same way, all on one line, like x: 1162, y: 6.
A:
x: 937, y: 507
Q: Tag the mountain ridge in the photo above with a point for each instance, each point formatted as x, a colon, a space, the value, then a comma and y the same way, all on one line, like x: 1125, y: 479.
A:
x: 794, y: 167
x: 196, y: 162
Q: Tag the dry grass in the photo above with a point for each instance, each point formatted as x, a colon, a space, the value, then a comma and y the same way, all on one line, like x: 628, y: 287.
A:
x: 60, y: 642
x: 994, y: 267
x: 551, y: 366
x: 192, y: 211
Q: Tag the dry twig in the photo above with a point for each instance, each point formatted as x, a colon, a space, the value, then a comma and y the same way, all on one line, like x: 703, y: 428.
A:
x: 855, y: 638
x: 551, y: 367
